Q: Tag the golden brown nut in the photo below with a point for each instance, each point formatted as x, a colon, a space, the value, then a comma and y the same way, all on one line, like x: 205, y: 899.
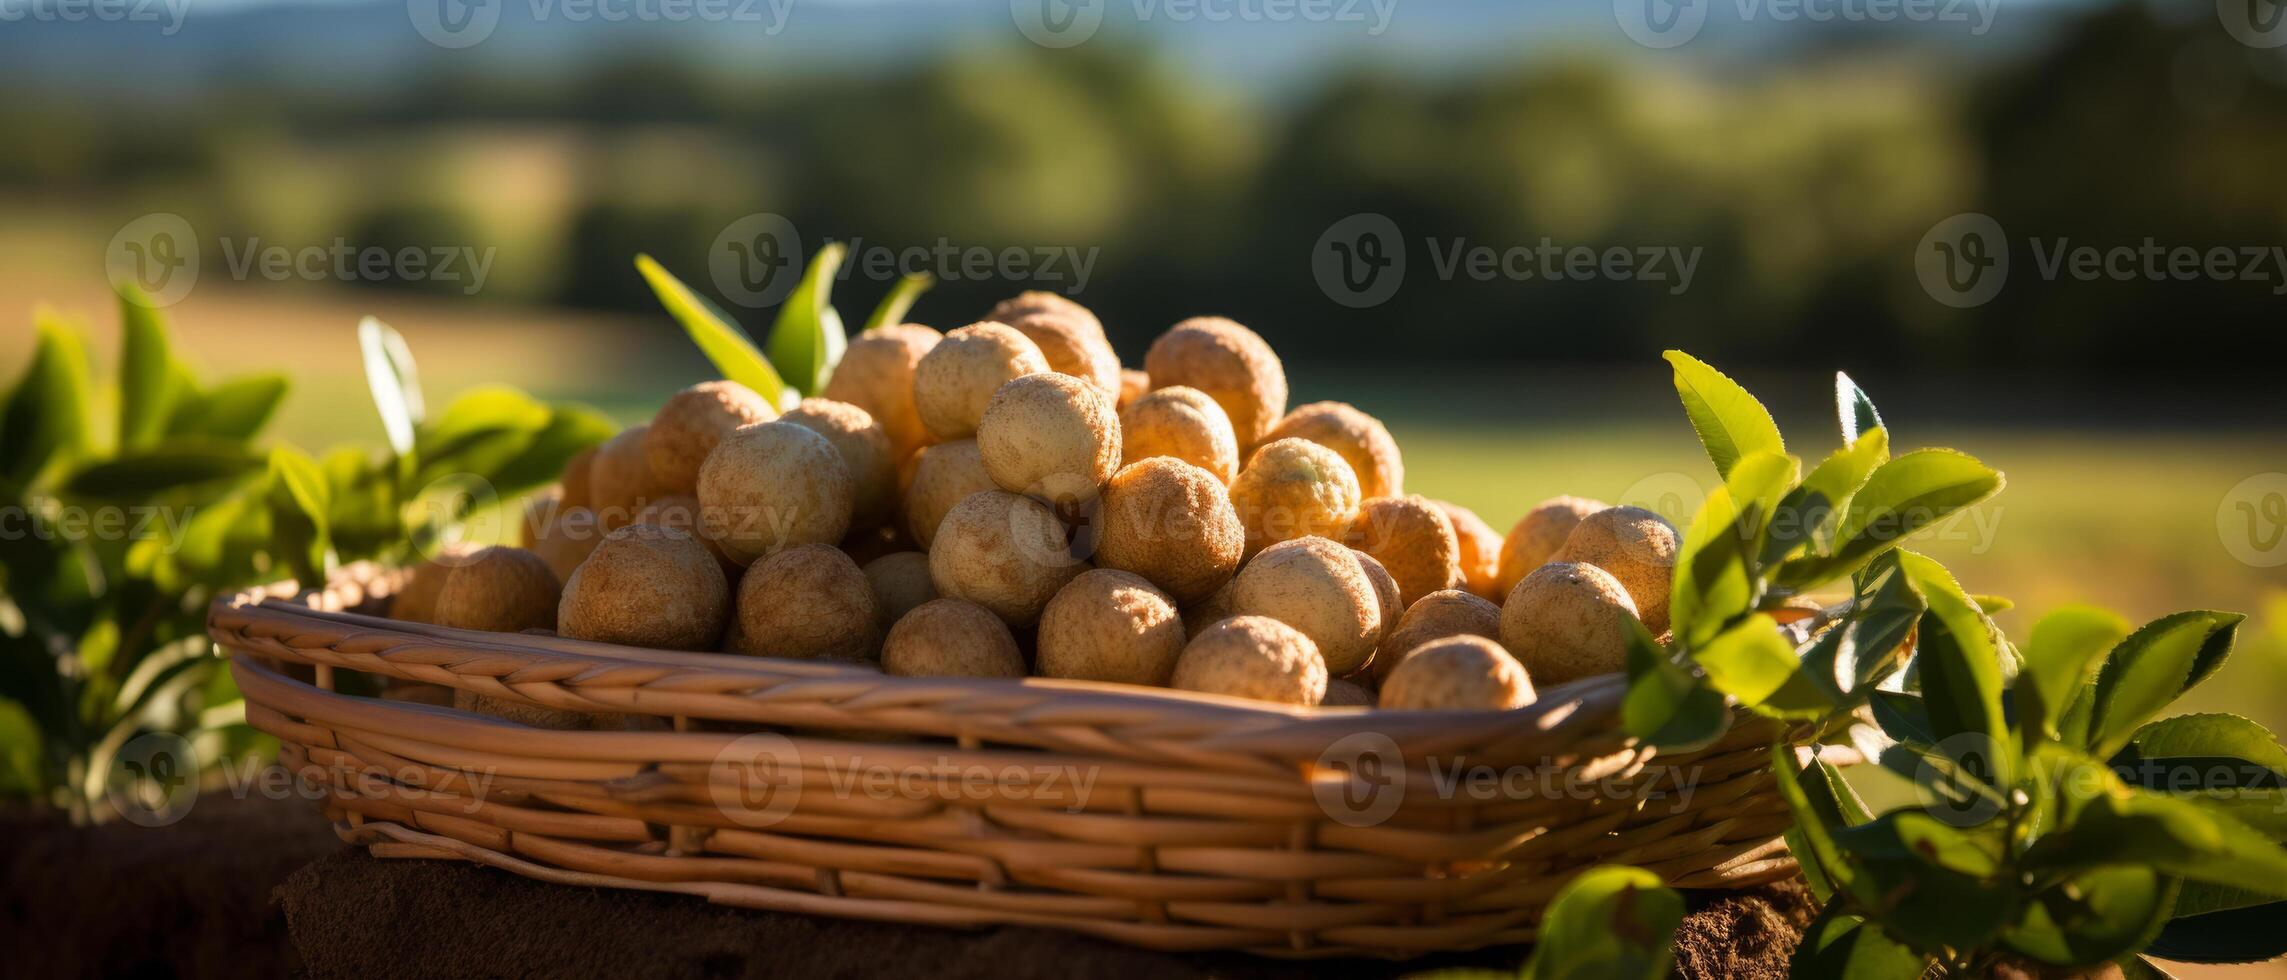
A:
x: 1004, y: 552
x: 1638, y: 547
x: 951, y: 638
x: 865, y: 449
x: 620, y: 478
x: 500, y: 590
x: 1231, y: 364
x: 1044, y: 429
x: 690, y: 425
x: 1318, y: 587
x: 943, y: 475
x: 1073, y: 347
x: 900, y: 583
x: 577, y: 492
x: 681, y: 512
x: 1567, y: 621
x: 533, y: 715
x: 1539, y: 535
x: 1036, y: 302
x: 1108, y: 625
x: 1480, y: 551
x: 1171, y: 523
x: 1252, y: 657
x: 647, y: 586
x: 540, y: 510
x: 416, y: 600
x: 1436, y: 616
x: 1386, y: 592
x: 1294, y: 488
x: 809, y: 602
x: 1342, y: 693
x: 1207, y: 612
x: 1182, y: 423
x: 568, y: 539
x: 956, y: 379
x: 1461, y: 673
x: 876, y: 374
x: 772, y: 486
x: 1133, y: 384
x: 1357, y: 436
x: 1412, y: 538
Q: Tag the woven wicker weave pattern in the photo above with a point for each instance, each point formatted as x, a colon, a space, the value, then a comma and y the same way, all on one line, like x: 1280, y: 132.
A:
x: 1156, y: 818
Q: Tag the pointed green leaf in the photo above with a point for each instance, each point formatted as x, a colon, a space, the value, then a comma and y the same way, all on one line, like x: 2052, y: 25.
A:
x: 2095, y: 916
x: 900, y: 300
x: 1730, y: 422
x: 2061, y: 659
x: 1611, y: 921
x: 1665, y: 705
x: 1902, y: 496
x: 299, y: 506
x: 1841, y: 946
x: 2151, y: 668
x: 47, y: 414
x: 396, y: 385
x: 146, y: 376
x: 807, y: 341
x: 1754, y: 664
x: 1960, y: 662
x: 142, y: 475
x: 1855, y: 410
x: 236, y: 410
x: 723, y: 343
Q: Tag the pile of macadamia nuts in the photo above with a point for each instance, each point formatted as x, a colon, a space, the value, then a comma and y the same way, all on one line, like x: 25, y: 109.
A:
x: 1004, y: 500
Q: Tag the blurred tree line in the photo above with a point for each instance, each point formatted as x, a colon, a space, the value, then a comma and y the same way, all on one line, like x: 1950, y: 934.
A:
x: 1806, y: 185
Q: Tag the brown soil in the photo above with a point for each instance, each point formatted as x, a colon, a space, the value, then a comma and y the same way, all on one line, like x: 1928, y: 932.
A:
x: 262, y: 888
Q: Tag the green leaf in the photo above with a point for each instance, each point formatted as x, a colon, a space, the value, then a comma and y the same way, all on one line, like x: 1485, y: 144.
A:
x: 2151, y: 668
x: 299, y: 505
x: 47, y: 414
x: 2060, y: 660
x: 2096, y: 916
x: 1841, y: 946
x: 2241, y: 935
x: 900, y: 300
x: 723, y: 343
x: 1715, y: 577
x: 1928, y: 883
x: 1808, y: 515
x: 1665, y: 705
x: 20, y: 752
x: 569, y: 429
x: 806, y: 341
x: 145, y: 474
x: 1960, y: 663
x: 1870, y: 642
x: 481, y: 433
x: 1855, y: 410
x: 1818, y: 816
x: 2211, y: 735
x: 1902, y: 717
x: 1730, y: 422
x: 396, y: 385
x: 1900, y: 497
x: 1611, y: 921
x: 236, y: 410
x: 146, y: 376
x: 1754, y: 664
x: 2107, y: 823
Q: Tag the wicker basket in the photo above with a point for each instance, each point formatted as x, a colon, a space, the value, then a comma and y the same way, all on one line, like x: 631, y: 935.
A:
x: 1204, y: 822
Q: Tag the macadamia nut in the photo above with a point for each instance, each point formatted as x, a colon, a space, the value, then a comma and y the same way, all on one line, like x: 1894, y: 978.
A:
x: 1252, y: 657
x: 1181, y: 423
x: 690, y: 425
x: 648, y: 586
x: 956, y: 379
x: 810, y: 602
x: 1638, y: 547
x: 1044, y: 428
x: 500, y: 590
x: 1412, y: 538
x: 1462, y: 673
x: 1538, y: 535
x: 876, y: 374
x: 1004, y: 552
x: 772, y: 486
x: 1108, y: 625
x: 1231, y: 364
x: 1292, y: 488
x: 951, y: 638
x: 1171, y: 523
x: 1358, y: 437
x: 1567, y: 621
x: 1319, y: 588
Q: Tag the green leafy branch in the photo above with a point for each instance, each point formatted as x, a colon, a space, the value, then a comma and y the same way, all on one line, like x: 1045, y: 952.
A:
x: 806, y: 339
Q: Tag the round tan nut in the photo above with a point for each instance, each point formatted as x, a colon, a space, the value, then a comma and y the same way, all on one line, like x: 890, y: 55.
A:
x: 578, y: 492
x: 568, y: 539
x: 1480, y: 551
x: 1207, y: 612
x: 1109, y: 625
x: 951, y: 638
x: 1004, y: 552
x: 1461, y: 673
x: 1133, y: 384
x: 1567, y: 621
x: 647, y: 586
x: 416, y: 600
x: 1172, y: 523
x: 692, y: 423
x: 1638, y: 547
x: 1181, y: 423
x: 1412, y: 538
x: 900, y: 583
x: 500, y: 590
x: 1253, y: 657
x: 1318, y: 587
x: 809, y: 602
x: 681, y: 512
x: 876, y: 374
x: 1342, y: 693
x: 1386, y: 591
x: 1436, y: 616
x: 1293, y: 488
x: 865, y: 448
x: 956, y: 379
x: 1040, y: 302
x: 1044, y: 428
x: 620, y: 479
x: 1539, y: 535
x: 531, y: 715
x: 1073, y: 347
x: 1231, y: 364
x: 943, y: 475
x: 1357, y: 436
x: 773, y: 486
x: 540, y: 510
